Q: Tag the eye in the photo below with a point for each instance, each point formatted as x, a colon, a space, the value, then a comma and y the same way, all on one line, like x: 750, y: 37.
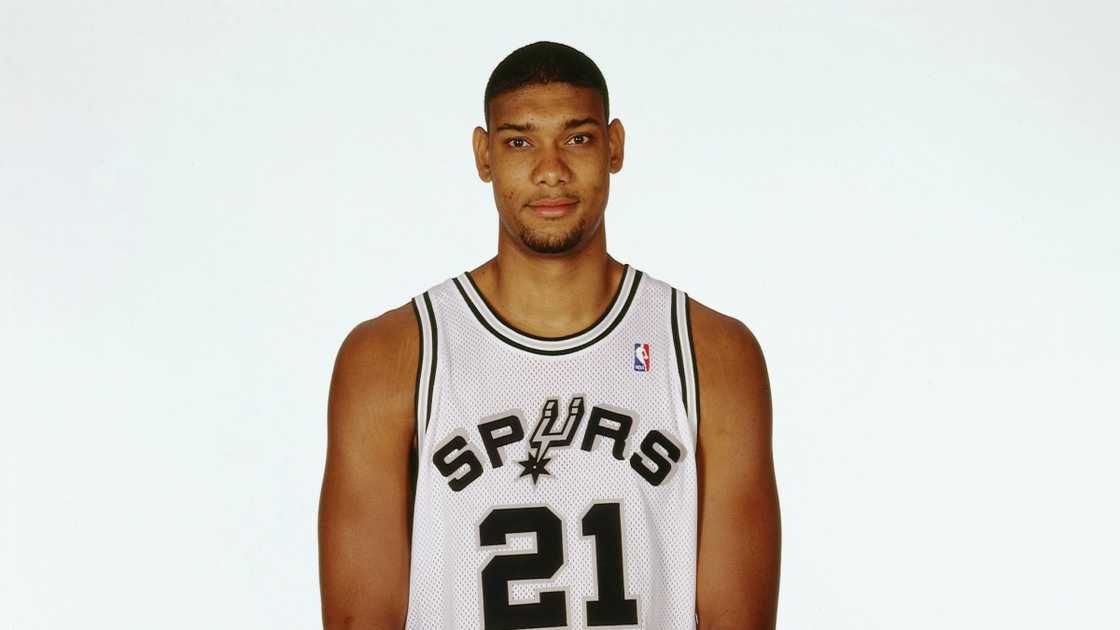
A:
x: 511, y: 140
x: 586, y: 136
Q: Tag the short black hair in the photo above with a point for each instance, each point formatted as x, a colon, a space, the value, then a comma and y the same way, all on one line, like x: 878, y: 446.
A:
x: 544, y: 62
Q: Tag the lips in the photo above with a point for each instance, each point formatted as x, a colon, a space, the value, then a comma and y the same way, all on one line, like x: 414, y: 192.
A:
x: 554, y: 202
x: 553, y: 207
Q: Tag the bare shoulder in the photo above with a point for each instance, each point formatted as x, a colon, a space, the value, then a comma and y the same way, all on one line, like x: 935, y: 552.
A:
x: 739, y: 520
x: 731, y: 369
x: 376, y: 364
x: 364, y: 501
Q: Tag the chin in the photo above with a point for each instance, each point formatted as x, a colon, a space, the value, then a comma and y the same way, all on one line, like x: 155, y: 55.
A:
x: 554, y: 241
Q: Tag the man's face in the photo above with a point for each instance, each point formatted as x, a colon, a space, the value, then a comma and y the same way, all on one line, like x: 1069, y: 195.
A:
x: 549, y: 144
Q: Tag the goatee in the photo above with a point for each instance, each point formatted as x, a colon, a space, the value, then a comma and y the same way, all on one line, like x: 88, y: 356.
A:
x: 544, y: 242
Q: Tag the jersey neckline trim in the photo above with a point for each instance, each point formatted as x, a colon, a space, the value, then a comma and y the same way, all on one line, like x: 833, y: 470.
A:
x: 510, y: 334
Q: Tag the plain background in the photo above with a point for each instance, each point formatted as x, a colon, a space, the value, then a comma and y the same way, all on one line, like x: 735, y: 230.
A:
x: 913, y: 207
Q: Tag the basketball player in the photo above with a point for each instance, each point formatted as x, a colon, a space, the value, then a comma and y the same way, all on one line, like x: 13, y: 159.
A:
x: 553, y: 439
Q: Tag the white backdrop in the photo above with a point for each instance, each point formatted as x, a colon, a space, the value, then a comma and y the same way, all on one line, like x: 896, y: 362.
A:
x: 913, y: 208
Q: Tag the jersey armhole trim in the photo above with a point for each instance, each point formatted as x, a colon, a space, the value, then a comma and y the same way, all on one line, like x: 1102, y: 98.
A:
x: 681, y: 316
x: 426, y: 365
x: 695, y: 373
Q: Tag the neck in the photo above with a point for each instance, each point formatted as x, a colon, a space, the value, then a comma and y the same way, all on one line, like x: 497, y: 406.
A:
x: 549, y: 296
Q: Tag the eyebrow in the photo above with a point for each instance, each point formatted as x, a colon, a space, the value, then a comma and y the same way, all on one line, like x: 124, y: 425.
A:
x: 571, y: 123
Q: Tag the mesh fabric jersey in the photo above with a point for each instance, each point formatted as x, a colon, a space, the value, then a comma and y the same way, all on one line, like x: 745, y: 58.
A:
x: 556, y: 477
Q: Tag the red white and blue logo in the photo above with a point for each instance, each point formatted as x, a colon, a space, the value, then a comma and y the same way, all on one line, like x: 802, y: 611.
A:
x: 641, y: 357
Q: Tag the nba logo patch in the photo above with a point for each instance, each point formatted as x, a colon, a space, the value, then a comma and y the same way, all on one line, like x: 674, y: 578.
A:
x: 641, y: 357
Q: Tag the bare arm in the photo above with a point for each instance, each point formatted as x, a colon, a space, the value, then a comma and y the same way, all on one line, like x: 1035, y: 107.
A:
x: 363, y: 506
x: 740, y: 525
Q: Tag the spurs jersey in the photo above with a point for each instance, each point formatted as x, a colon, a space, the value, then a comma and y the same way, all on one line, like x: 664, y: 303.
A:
x: 556, y: 477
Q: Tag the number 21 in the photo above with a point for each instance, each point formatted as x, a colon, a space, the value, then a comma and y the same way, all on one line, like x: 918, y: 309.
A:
x: 602, y: 520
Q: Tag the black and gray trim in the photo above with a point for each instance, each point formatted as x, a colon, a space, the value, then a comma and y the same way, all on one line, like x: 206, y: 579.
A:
x: 681, y: 321
x: 510, y: 334
x: 426, y: 366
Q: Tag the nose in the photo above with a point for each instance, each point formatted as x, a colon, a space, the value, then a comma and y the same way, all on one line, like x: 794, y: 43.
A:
x: 551, y: 169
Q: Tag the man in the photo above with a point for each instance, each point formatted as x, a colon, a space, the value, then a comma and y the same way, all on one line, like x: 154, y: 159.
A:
x: 553, y: 439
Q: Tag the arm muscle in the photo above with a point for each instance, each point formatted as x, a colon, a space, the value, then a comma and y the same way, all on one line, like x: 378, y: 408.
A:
x: 740, y: 531
x: 363, y: 506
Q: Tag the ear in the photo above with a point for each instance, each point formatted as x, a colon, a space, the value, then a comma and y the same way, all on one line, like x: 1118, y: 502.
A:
x: 481, y: 145
x: 616, y: 140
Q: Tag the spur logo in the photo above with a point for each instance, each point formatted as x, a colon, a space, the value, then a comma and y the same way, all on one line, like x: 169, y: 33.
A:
x: 459, y: 460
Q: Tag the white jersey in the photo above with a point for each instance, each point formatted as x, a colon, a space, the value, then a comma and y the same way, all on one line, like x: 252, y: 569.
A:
x: 556, y: 478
